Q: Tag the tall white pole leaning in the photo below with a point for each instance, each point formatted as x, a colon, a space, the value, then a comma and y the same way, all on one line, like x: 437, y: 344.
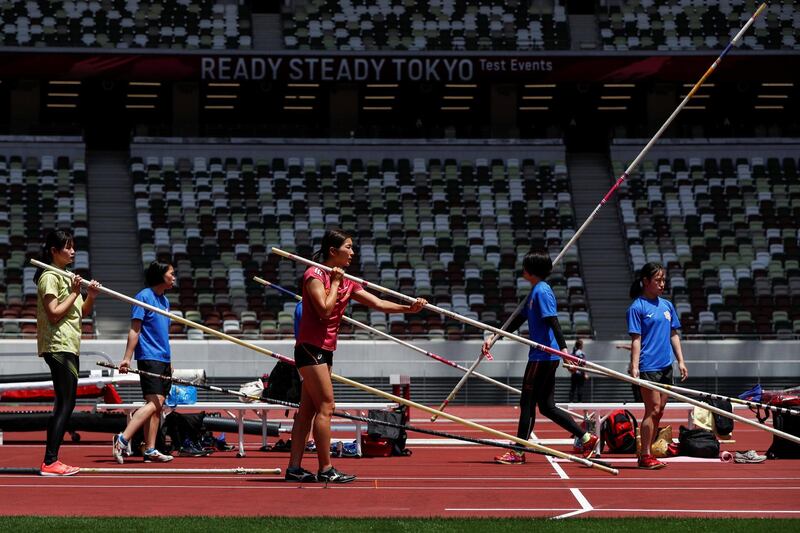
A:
x: 564, y: 355
x: 612, y: 190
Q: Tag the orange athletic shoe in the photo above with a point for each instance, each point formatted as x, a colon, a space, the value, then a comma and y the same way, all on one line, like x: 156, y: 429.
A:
x: 58, y: 469
x: 649, y: 462
x: 510, y: 458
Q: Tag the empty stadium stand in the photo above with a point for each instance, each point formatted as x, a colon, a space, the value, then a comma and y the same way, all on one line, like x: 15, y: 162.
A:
x: 182, y: 24
x: 37, y: 193
x: 695, y: 24
x: 726, y: 229
x: 435, y: 25
x: 453, y: 231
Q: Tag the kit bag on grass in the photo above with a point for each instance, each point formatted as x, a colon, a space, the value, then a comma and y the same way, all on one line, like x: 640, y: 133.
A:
x: 284, y: 383
x: 698, y: 442
x: 618, y: 431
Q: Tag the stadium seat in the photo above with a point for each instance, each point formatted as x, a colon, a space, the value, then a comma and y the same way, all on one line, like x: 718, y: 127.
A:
x: 464, y: 253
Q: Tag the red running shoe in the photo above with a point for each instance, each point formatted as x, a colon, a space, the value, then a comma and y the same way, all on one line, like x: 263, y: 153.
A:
x: 649, y: 462
x: 510, y: 458
x: 58, y: 469
x: 673, y: 450
x: 587, y: 448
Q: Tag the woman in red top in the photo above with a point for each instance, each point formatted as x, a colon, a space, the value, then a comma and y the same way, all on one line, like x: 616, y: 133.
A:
x: 325, y: 297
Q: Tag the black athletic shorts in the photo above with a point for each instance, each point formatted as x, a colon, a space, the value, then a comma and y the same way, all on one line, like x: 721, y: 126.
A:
x: 309, y: 355
x: 151, y: 385
x: 659, y: 376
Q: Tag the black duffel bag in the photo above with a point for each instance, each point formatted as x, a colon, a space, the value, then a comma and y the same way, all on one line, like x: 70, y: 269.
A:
x: 284, y: 383
x: 698, y: 442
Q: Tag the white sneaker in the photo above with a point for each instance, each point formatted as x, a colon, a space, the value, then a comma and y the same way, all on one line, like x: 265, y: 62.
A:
x: 750, y: 456
x: 157, y: 457
x: 117, y: 449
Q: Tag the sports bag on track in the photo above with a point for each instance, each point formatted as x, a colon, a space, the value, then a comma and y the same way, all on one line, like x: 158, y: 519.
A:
x: 380, y: 437
x: 284, y: 383
x: 618, y: 432
x: 722, y: 424
x: 782, y: 448
x: 698, y: 442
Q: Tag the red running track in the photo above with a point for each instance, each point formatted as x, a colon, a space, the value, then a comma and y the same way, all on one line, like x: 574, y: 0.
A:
x: 437, y: 480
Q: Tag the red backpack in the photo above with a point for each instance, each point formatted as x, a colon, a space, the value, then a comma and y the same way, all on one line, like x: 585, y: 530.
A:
x: 619, y: 432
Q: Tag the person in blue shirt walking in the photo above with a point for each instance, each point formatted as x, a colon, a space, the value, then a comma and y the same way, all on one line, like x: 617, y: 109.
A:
x: 539, y: 381
x: 655, y: 344
x: 148, y: 341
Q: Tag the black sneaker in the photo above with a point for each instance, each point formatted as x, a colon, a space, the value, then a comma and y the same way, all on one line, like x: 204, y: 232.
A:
x: 191, y: 449
x: 332, y: 475
x: 299, y: 475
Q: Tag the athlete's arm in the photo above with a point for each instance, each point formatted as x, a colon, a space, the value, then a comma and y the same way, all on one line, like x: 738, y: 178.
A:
x: 323, y: 301
x: 385, y: 306
x: 133, y: 340
x: 636, y: 350
x: 675, y: 340
x: 552, y: 322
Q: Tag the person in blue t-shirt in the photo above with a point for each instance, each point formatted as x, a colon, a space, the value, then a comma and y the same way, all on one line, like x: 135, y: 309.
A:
x: 539, y: 381
x: 655, y: 343
x: 148, y: 340
x: 298, y: 315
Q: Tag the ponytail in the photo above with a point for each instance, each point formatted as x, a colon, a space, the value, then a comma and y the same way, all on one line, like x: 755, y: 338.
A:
x: 646, y: 272
x: 333, y: 238
x: 57, y: 239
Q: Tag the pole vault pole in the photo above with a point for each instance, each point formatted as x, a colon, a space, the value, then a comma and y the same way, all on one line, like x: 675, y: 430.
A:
x: 564, y: 355
x: 613, y: 189
x: 662, y: 129
x: 336, y: 377
x: 340, y: 414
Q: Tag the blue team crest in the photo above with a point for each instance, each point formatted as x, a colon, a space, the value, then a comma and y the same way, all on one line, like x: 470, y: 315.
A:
x: 667, y: 315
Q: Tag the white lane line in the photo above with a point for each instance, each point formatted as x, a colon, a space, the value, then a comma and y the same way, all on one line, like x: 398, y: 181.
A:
x: 585, y: 506
x: 678, y: 459
x: 576, y: 493
x: 660, y: 511
x: 557, y: 467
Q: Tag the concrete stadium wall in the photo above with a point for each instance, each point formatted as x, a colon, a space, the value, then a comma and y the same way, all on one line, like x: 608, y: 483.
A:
x: 37, y: 146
